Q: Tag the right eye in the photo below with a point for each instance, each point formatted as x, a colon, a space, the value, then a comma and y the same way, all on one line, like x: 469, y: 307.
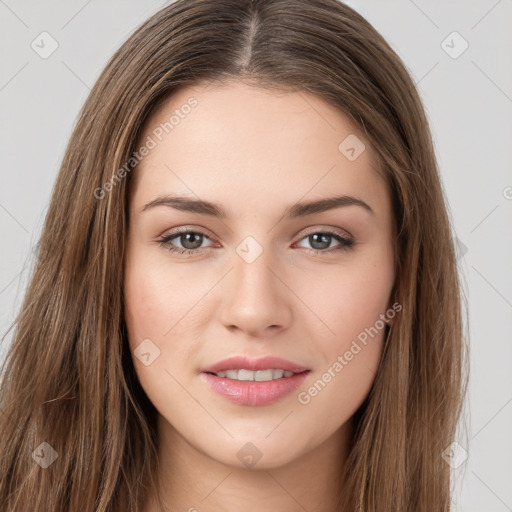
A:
x: 190, y: 240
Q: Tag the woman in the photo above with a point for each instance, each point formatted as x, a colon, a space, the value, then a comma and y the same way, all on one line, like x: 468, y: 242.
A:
x: 246, y: 292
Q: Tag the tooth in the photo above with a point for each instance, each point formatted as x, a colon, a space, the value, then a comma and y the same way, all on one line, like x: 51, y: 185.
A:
x: 258, y: 376
x: 245, y: 375
x: 263, y: 375
x: 277, y: 374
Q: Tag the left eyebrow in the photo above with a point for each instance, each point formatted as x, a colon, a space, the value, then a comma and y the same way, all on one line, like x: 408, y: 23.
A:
x: 303, y: 209
x: 310, y: 207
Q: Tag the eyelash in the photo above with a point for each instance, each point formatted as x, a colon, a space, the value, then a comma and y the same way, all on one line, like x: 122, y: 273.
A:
x: 165, y: 241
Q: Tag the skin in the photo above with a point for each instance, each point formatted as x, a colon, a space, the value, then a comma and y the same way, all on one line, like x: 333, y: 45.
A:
x: 255, y: 152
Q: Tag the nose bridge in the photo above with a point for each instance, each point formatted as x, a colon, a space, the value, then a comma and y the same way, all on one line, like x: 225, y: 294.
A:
x: 251, y: 270
x: 257, y: 298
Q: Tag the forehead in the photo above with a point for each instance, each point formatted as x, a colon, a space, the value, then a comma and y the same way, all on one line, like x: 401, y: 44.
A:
x: 234, y: 138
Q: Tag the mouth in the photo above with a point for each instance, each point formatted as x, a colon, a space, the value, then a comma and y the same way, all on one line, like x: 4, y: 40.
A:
x: 254, y: 382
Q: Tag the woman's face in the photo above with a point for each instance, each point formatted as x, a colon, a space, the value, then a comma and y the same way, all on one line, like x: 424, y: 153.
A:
x: 262, y: 275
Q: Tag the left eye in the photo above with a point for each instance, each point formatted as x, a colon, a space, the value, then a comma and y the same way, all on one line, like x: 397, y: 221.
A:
x: 191, y: 241
x: 322, y: 240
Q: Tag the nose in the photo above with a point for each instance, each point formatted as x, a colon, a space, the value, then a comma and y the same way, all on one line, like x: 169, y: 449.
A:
x: 257, y: 300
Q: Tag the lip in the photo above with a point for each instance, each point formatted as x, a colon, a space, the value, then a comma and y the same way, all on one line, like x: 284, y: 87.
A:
x: 263, y: 363
x: 254, y: 393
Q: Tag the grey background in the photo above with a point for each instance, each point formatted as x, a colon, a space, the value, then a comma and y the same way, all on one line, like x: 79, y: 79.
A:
x: 469, y: 104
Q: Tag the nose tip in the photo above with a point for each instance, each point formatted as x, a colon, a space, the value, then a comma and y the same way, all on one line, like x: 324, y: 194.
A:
x: 255, y: 301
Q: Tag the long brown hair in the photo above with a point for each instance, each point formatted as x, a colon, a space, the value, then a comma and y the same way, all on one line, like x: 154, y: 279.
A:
x: 69, y: 380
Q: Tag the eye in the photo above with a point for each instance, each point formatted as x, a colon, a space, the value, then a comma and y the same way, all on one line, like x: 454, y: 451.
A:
x: 191, y: 241
x: 322, y: 240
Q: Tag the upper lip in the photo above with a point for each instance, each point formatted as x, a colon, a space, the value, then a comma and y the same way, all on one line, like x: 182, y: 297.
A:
x: 263, y: 363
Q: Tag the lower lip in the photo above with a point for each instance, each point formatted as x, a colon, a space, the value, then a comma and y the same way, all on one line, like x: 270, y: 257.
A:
x: 245, y: 392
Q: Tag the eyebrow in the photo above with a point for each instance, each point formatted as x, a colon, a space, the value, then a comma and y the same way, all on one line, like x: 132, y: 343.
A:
x: 187, y: 204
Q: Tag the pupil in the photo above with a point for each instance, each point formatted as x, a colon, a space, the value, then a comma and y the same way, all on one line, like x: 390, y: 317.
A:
x: 324, y: 243
x: 194, y: 245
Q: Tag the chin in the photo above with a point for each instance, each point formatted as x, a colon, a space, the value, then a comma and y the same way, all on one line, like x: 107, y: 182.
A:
x: 246, y: 452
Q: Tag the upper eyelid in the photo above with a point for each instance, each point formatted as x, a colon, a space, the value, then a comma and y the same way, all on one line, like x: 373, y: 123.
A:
x: 180, y: 231
x: 337, y: 231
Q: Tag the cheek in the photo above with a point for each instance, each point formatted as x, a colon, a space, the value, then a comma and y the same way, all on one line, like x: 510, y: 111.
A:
x: 352, y: 306
x: 352, y: 303
x: 348, y: 300
x: 158, y: 297
x: 158, y: 307
x: 337, y: 391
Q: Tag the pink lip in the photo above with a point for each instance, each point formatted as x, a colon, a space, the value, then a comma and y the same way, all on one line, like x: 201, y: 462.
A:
x: 264, y: 363
x: 252, y: 392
